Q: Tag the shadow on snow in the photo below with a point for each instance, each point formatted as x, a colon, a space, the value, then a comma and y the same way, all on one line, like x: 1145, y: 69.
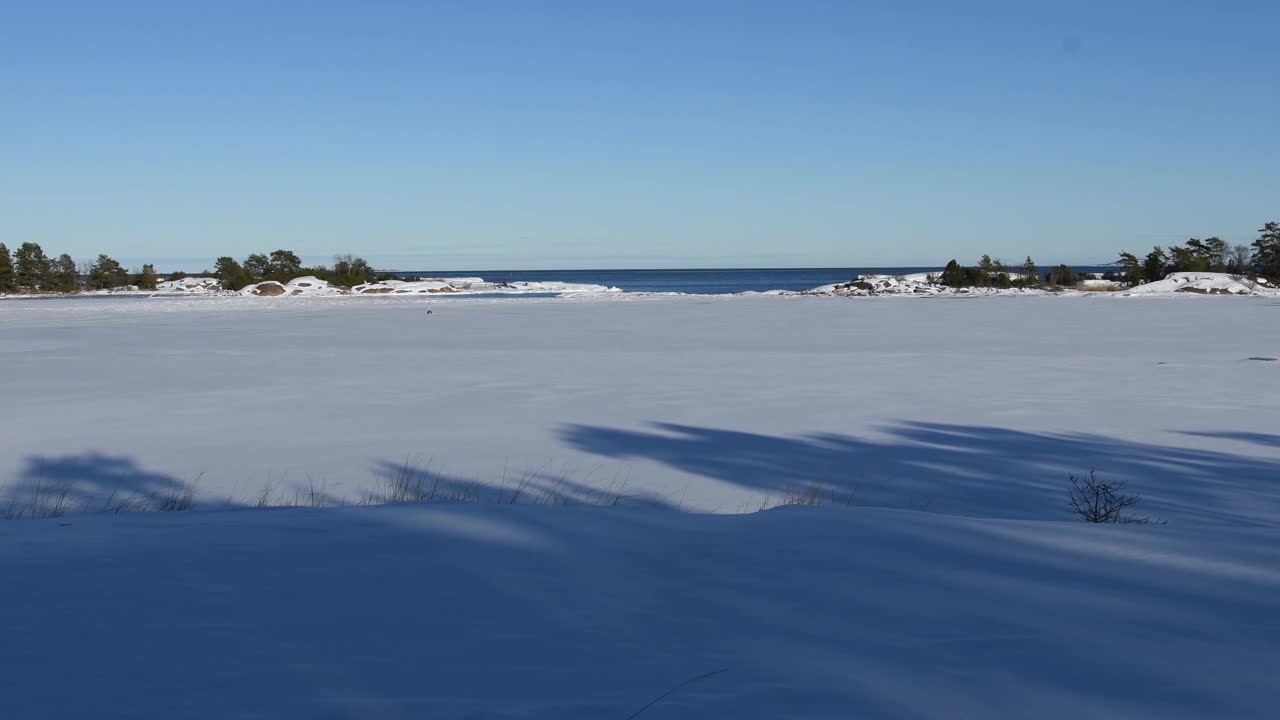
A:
x: 957, y: 469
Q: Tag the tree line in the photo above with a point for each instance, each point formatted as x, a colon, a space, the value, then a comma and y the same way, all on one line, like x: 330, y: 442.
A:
x: 29, y: 270
x: 285, y: 265
x: 1213, y: 254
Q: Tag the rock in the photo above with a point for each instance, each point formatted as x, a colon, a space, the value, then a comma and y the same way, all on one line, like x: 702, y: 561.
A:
x: 270, y: 288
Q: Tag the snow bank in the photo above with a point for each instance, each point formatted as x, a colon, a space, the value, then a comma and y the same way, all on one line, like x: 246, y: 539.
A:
x: 1205, y: 283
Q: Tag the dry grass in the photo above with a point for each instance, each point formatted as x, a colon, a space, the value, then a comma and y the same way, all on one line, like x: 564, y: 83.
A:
x: 46, y: 501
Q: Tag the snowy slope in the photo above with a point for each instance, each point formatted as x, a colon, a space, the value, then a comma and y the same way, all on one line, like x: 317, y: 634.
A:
x: 563, y: 613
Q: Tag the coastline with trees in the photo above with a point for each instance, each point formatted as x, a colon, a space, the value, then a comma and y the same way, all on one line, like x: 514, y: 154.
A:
x: 27, y: 270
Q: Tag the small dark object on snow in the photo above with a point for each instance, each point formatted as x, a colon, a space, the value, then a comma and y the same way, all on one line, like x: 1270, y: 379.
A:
x: 1263, y: 359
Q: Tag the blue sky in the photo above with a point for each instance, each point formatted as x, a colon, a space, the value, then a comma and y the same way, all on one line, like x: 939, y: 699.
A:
x: 482, y: 134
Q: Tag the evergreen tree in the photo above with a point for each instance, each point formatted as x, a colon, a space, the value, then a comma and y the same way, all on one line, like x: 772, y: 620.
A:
x: 32, y: 267
x: 954, y: 275
x: 1192, y: 257
x: 65, y: 277
x: 1155, y: 266
x: 8, y: 279
x: 258, y: 266
x: 231, y: 274
x: 1030, y: 273
x: 1216, y: 253
x: 1132, y: 267
x: 284, y: 265
x: 106, y: 273
x: 1266, y: 250
x: 985, y: 272
x: 147, y: 279
x: 1062, y: 275
x: 177, y: 275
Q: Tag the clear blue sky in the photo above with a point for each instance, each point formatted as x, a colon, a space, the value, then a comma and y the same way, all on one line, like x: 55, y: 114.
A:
x: 647, y: 133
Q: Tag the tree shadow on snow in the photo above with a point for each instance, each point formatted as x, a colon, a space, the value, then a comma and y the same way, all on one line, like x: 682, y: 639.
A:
x: 410, y: 481
x: 88, y: 480
x: 955, y: 469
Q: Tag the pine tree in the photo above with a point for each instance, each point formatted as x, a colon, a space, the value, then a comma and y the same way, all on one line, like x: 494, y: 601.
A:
x: 954, y: 275
x: 65, y: 277
x: 284, y: 265
x: 1192, y: 257
x: 1216, y: 252
x: 258, y: 266
x: 231, y: 274
x: 985, y: 272
x: 8, y: 279
x: 1030, y: 273
x: 1132, y: 267
x: 1156, y: 265
x: 147, y: 279
x: 106, y: 273
x: 31, y: 267
x: 1063, y: 276
x: 1266, y: 250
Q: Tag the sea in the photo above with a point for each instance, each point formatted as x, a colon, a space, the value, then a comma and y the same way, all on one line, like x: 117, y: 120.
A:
x: 720, y: 281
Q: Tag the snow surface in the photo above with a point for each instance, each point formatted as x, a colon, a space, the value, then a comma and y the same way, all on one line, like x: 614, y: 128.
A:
x: 472, y: 611
x: 970, y: 406
x: 944, y: 579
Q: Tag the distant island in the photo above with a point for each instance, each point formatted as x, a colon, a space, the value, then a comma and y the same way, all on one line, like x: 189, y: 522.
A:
x: 1188, y: 267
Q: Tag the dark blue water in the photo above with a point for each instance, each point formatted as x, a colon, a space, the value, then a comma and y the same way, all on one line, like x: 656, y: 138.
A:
x: 702, y: 282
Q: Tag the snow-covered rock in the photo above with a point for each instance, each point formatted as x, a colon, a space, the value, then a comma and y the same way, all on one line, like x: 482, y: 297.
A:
x: 404, y: 287
x: 311, y: 285
x: 473, y: 285
x: 917, y: 284
x: 191, y: 285
x: 307, y: 285
x: 1205, y: 283
x: 267, y: 288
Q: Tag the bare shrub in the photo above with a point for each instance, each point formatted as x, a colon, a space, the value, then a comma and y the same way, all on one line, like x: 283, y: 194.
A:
x: 1096, y: 501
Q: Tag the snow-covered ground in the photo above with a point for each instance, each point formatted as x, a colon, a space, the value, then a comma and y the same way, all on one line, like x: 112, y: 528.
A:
x: 472, y: 611
x: 972, y: 405
x: 944, y: 578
